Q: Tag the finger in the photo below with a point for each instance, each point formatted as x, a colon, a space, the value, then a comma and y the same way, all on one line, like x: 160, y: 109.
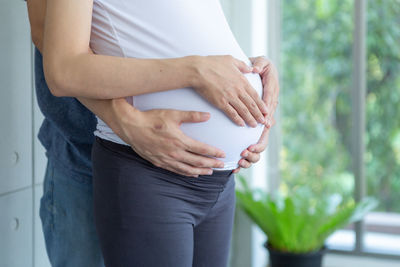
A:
x: 242, y: 66
x: 192, y: 116
x: 268, y: 91
x: 252, y: 59
x: 185, y: 169
x: 270, y: 121
x: 179, y: 171
x: 200, y: 148
x: 236, y: 170
x: 262, y: 142
x: 244, y: 164
x: 259, y: 63
x: 273, y: 96
x: 252, y: 107
x: 252, y: 157
x: 271, y: 88
x: 271, y: 111
x: 243, y: 112
x: 261, y: 105
x: 200, y: 161
x: 269, y: 79
x: 233, y: 115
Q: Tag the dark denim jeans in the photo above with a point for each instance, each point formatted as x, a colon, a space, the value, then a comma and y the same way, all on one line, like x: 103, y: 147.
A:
x: 66, y: 211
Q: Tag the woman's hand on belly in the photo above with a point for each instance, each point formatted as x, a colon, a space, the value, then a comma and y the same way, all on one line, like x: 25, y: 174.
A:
x: 221, y: 82
x: 270, y: 80
x: 252, y: 154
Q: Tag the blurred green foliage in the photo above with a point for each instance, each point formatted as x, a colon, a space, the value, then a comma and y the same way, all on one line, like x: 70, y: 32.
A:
x: 317, y: 38
x: 302, y: 221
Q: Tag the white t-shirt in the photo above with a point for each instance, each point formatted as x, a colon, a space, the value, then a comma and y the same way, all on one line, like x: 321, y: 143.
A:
x: 170, y: 29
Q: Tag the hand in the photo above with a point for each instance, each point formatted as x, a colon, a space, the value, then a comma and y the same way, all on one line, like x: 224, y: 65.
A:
x: 156, y: 136
x: 221, y: 82
x: 270, y: 79
x: 252, y: 154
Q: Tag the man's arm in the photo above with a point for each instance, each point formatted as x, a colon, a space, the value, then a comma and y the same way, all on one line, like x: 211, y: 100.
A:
x: 156, y: 136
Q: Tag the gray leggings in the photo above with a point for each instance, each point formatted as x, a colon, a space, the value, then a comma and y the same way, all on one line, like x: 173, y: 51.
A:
x: 149, y: 217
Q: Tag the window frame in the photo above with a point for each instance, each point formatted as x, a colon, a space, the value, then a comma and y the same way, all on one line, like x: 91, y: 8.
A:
x: 244, y: 239
x: 358, y: 113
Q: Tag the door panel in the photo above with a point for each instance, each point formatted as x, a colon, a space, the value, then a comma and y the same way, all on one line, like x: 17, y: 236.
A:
x: 15, y: 97
x: 16, y: 229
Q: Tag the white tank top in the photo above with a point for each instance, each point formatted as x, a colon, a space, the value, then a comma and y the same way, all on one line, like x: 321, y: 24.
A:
x: 169, y: 29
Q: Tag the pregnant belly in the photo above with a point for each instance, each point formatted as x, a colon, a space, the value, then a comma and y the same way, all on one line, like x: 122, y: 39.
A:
x: 219, y: 131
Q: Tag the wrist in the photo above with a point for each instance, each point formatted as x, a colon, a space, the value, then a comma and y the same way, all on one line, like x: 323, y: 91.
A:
x: 123, y: 114
x: 191, y: 68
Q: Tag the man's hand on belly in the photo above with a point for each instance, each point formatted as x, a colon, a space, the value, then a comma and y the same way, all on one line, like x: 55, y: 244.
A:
x: 156, y: 136
x: 270, y: 80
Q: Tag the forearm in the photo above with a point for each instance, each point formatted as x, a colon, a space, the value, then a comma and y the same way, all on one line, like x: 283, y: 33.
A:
x: 71, y: 70
x: 113, y: 112
x: 105, y: 77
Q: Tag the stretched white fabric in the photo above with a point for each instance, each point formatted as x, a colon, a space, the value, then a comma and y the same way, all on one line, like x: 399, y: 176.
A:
x: 170, y: 29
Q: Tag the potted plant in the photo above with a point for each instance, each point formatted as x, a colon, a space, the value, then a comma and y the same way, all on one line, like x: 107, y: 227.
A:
x: 298, y: 224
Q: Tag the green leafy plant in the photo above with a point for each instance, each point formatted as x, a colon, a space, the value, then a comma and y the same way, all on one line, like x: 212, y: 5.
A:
x: 301, y: 221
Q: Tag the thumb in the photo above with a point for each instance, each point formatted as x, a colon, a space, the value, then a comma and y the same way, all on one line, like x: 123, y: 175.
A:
x: 243, y: 67
x: 193, y: 116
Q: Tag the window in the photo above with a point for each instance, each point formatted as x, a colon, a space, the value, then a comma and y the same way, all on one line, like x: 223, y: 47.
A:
x: 323, y: 108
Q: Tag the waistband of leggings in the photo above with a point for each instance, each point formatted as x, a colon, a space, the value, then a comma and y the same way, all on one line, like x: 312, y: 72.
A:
x: 127, y: 149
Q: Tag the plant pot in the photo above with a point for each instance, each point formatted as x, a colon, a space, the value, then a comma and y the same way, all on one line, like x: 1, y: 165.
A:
x: 286, y: 259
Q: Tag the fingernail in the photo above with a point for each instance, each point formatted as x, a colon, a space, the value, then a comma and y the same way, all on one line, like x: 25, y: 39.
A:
x: 261, y: 120
x: 252, y: 149
x: 205, y: 115
x: 209, y: 172
x: 245, y: 154
x: 221, y: 165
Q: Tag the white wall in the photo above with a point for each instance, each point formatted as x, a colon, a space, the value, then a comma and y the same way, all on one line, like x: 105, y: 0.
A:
x: 22, y: 158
